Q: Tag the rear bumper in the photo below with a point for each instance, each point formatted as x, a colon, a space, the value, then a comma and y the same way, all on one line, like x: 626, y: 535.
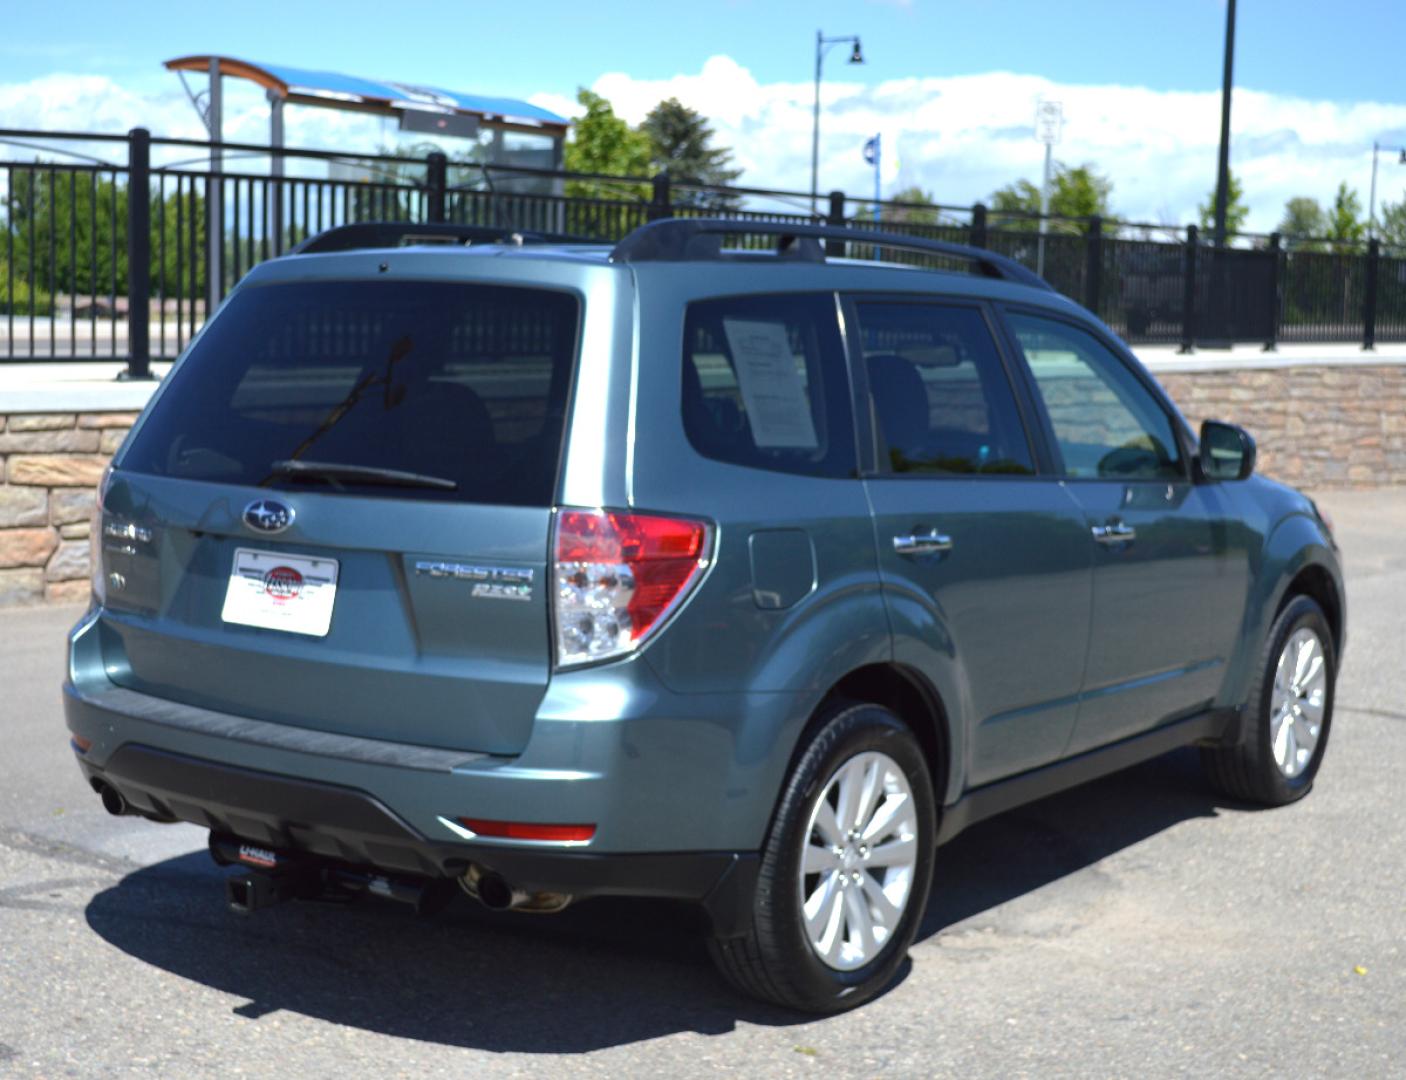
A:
x: 349, y: 826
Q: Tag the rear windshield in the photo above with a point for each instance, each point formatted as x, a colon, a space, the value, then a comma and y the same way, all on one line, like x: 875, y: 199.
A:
x: 463, y: 384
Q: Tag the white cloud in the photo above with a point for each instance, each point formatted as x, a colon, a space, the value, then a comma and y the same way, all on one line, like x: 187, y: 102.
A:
x: 960, y: 137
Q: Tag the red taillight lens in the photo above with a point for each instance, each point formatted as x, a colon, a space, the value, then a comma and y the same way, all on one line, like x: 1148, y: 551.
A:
x: 524, y: 830
x: 617, y: 575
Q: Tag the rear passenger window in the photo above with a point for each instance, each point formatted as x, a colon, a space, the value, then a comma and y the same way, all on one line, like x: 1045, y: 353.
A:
x: 764, y: 384
x: 942, y: 401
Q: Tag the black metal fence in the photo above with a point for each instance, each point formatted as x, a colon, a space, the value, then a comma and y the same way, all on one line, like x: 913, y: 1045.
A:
x: 88, y: 271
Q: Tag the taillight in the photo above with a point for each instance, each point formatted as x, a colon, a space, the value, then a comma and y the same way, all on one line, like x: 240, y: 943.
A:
x: 618, y: 576
x: 95, y: 540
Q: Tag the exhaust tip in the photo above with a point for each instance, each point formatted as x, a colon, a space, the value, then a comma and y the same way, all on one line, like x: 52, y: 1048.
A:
x: 113, y: 800
x: 494, y: 892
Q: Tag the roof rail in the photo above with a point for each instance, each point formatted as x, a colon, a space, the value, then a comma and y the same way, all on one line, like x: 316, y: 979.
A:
x: 383, y: 234
x: 684, y: 239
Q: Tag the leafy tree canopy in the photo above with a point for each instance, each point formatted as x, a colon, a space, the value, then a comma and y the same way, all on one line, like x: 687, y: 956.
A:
x: 1392, y: 227
x: 1079, y: 192
x: 1236, y: 211
x: 602, y: 142
x: 1345, y: 224
x: 681, y: 143
x: 1303, y: 220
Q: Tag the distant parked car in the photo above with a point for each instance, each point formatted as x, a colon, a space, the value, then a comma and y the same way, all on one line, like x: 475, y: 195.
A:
x: 746, y: 578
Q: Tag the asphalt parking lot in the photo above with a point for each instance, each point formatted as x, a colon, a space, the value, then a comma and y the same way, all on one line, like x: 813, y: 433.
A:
x: 1138, y: 926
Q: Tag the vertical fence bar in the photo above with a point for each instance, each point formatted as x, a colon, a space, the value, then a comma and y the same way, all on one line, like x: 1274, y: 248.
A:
x: 94, y: 188
x: 161, y: 258
x: 1276, y: 254
x: 978, y: 226
x: 139, y: 254
x: 10, y: 262
x: 436, y: 180
x: 660, y: 202
x: 53, y: 266
x: 1369, y: 299
x: 1093, y: 265
x: 180, y: 263
x: 72, y: 265
x: 836, y: 248
x: 1188, y: 300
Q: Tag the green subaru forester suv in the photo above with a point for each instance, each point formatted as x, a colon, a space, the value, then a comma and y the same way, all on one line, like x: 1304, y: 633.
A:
x: 743, y: 577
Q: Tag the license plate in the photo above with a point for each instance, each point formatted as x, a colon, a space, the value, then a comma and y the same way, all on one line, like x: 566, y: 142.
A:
x: 276, y: 591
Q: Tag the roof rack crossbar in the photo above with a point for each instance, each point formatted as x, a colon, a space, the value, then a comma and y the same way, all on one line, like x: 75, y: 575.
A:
x: 681, y: 239
x: 383, y: 234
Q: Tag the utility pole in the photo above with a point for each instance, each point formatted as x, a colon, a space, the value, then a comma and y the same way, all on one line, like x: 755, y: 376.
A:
x: 856, y: 56
x: 1049, y: 118
x: 1223, y: 166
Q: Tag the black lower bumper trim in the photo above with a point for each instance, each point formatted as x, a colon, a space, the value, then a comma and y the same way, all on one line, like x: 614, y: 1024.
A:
x: 355, y: 828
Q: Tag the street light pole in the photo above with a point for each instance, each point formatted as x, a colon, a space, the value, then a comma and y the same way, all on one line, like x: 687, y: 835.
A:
x: 1372, y: 199
x: 1223, y: 166
x: 822, y: 46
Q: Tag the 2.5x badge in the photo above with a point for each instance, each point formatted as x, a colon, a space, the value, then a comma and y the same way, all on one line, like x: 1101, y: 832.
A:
x: 492, y: 582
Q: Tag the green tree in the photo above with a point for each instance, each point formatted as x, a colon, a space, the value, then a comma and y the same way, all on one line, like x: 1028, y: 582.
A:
x: 680, y: 141
x: 602, y: 142
x: 914, y: 212
x: 1075, y: 193
x: 1345, y: 225
x: 1236, y: 211
x: 1303, y: 222
x: 1392, y: 227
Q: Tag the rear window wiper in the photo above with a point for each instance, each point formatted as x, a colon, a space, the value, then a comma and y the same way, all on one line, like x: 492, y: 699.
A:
x: 355, y: 474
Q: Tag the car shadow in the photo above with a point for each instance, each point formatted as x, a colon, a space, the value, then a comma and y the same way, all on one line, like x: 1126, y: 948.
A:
x: 604, y: 973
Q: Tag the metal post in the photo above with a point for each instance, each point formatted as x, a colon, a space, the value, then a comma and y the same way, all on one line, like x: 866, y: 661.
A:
x: 1188, y: 299
x: 1369, y: 301
x: 215, y: 195
x: 436, y: 179
x: 978, y: 229
x: 836, y: 248
x: 660, y: 202
x: 138, y: 254
x: 1372, y: 199
x: 815, y: 124
x: 1093, y: 265
x: 275, y: 171
x: 1272, y: 342
x: 1045, y: 208
x: 1223, y: 164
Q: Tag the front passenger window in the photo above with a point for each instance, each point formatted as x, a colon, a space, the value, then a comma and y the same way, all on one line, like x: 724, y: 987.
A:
x: 1106, y: 422
x: 941, y: 399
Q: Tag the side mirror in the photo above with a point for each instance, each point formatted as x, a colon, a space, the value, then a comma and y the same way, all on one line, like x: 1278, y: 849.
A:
x: 1227, y: 451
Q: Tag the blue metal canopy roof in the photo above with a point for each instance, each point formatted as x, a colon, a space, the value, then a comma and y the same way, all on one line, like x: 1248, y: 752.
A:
x: 335, y: 90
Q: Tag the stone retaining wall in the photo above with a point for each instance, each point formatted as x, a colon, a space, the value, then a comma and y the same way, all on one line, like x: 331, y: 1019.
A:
x: 1318, y: 427
x: 50, y: 464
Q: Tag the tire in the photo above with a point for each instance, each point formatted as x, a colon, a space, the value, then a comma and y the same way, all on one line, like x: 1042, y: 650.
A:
x: 775, y: 959
x: 1251, y: 770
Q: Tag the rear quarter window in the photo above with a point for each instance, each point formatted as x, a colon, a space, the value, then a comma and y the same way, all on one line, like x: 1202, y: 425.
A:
x: 464, y: 382
x: 765, y: 385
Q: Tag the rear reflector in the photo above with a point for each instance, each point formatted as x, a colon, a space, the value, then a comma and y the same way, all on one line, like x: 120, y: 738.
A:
x: 80, y: 744
x: 522, y: 830
x: 618, y: 576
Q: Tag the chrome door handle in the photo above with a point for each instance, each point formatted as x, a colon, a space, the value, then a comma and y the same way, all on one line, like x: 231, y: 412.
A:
x: 1114, y: 533
x: 928, y: 543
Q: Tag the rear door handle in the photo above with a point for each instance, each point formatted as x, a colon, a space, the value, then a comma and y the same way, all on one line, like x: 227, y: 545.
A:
x: 930, y: 542
x: 1115, y: 532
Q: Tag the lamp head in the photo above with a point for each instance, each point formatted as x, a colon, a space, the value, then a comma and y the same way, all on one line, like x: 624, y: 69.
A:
x: 1403, y: 157
x: 856, y: 56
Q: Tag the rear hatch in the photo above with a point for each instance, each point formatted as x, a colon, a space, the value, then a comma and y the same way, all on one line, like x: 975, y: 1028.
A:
x: 337, y: 513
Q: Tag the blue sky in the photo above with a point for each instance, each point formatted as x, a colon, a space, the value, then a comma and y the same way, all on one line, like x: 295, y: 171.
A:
x: 1348, y: 51
x: 952, y: 85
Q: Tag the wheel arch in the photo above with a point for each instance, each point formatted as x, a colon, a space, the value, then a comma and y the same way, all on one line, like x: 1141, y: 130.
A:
x: 906, y: 693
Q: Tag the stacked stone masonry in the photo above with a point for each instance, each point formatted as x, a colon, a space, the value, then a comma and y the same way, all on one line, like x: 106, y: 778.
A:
x: 50, y: 464
x: 1317, y: 428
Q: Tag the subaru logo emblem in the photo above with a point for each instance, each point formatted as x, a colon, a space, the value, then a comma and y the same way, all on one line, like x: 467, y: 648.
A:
x: 268, y: 516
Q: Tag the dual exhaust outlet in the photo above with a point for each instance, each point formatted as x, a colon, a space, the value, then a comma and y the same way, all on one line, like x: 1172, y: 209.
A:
x: 272, y: 877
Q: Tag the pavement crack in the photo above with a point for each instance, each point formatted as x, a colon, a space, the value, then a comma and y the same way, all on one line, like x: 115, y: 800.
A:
x: 1385, y: 714
x: 61, y: 851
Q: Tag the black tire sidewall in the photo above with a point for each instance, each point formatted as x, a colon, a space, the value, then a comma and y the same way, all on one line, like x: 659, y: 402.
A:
x: 1302, y: 612
x: 849, y: 732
